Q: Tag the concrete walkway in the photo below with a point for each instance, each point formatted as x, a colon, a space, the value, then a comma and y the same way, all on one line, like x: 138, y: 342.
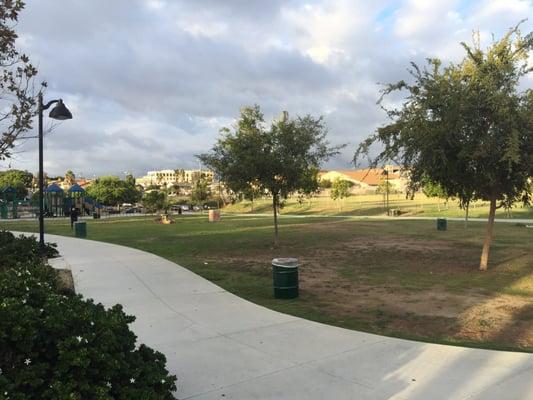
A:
x: 223, y: 347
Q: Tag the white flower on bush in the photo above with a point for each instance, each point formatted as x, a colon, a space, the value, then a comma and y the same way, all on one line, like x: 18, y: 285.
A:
x: 27, y: 361
x: 132, y: 380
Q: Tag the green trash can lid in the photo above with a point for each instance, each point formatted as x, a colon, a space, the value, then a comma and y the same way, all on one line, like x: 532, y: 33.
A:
x: 285, y: 262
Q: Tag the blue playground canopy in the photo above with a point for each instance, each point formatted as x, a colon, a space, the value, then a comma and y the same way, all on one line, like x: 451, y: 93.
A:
x: 53, y: 188
x: 76, y: 189
x: 9, y: 190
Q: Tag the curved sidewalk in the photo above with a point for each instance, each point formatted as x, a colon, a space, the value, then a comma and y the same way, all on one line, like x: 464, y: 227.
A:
x: 223, y: 347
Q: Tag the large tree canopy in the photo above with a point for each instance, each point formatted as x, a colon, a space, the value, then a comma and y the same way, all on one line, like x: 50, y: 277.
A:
x: 112, y: 191
x: 280, y: 160
x: 467, y: 127
x: 201, y: 190
x: 154, y: 201
x: 17, y: 94
x: 20, y: 180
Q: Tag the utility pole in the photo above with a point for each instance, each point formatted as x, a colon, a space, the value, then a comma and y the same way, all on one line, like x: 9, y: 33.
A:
x: 387, y: 190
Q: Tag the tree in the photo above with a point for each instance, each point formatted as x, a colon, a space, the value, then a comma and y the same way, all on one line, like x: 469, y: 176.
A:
x: 155, y: 201
x: 467, y: 126
x: 17, y: 92
x: 433, y: 189
x: 325, y: 184
x: 384, y: 187
x: 130, y: 179
x: 112, y: 191
x: 251, y: 193
x: 180, y: 175
x: 20, y: 180
x: 70, y: 178
x: 173, y: 189
x: 201, y: 190
x: 340, y: 189
x: 281, y: 159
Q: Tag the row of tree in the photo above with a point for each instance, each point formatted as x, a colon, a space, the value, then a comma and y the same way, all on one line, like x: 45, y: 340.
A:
x: 465, y: 130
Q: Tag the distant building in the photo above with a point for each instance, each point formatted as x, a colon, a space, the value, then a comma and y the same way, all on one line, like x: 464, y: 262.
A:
x: 368, y: 179
x: 66, y: 184
x: 170, y: 177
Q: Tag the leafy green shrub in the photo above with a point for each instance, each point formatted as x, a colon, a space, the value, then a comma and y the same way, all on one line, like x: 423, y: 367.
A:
x: 22, y: 249
x: 57, y: 346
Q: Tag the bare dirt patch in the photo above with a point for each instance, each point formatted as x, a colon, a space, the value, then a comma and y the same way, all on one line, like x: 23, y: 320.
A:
x: 379, y: 290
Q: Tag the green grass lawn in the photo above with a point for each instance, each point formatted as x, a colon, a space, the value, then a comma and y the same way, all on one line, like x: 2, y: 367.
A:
x: 398, y: 278
x: 372, y: 205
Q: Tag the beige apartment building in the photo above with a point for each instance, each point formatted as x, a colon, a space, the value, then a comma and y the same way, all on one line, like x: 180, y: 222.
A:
x: 170, y: 177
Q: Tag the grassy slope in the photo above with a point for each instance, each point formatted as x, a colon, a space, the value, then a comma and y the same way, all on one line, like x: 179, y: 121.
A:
x: 371, y: 205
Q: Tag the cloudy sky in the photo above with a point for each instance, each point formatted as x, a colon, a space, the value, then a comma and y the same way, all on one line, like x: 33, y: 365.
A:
x: 150, y: 82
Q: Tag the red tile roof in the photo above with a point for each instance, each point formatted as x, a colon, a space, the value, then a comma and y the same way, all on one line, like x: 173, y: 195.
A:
x: 371, y: 177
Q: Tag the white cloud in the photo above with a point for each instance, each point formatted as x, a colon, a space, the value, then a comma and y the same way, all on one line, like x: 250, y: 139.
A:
x: 150, y: 82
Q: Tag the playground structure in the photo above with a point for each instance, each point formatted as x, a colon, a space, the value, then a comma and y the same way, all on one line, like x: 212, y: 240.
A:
x: 54, y: 200
x: 9, y: 202
x: 77, y: 199
x: 57, y: 203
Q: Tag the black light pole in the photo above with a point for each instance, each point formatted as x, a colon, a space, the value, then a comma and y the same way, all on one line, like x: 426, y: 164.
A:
x: 387, y: 190
x: 59, y: 112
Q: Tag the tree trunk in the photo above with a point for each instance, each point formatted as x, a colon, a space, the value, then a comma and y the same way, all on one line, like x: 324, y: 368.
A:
x: 466, y: 214
x: 483, y: 265
x: 274, y: 207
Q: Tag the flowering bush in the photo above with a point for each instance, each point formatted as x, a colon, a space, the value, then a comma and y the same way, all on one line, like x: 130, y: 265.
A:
x: 21, y: 249
x: 60, y: 346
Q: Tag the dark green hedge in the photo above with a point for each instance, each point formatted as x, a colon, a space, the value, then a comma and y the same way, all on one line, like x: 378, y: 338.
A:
x: 55, y: 345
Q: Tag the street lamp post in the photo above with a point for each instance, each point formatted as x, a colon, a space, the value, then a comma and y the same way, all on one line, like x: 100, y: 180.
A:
x: 387, y: 189
x: 59, y: 112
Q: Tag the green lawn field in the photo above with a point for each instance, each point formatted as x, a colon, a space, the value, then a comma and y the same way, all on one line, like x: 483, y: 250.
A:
x: 394, y: 277
x: 375, y: 204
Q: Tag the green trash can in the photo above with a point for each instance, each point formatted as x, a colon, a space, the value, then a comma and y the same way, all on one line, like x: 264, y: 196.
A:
x: 3, y: 210
x: 80, y: 229
x: 442, y: 224
x: 285, y: 276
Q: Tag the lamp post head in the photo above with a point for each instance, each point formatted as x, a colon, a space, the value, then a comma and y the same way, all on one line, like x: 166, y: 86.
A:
x: 60, y: 112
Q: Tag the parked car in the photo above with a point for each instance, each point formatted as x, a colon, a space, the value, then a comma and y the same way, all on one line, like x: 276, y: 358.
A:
x: 184, y: 207
x: 132, y: 210
x: 196, y: 208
